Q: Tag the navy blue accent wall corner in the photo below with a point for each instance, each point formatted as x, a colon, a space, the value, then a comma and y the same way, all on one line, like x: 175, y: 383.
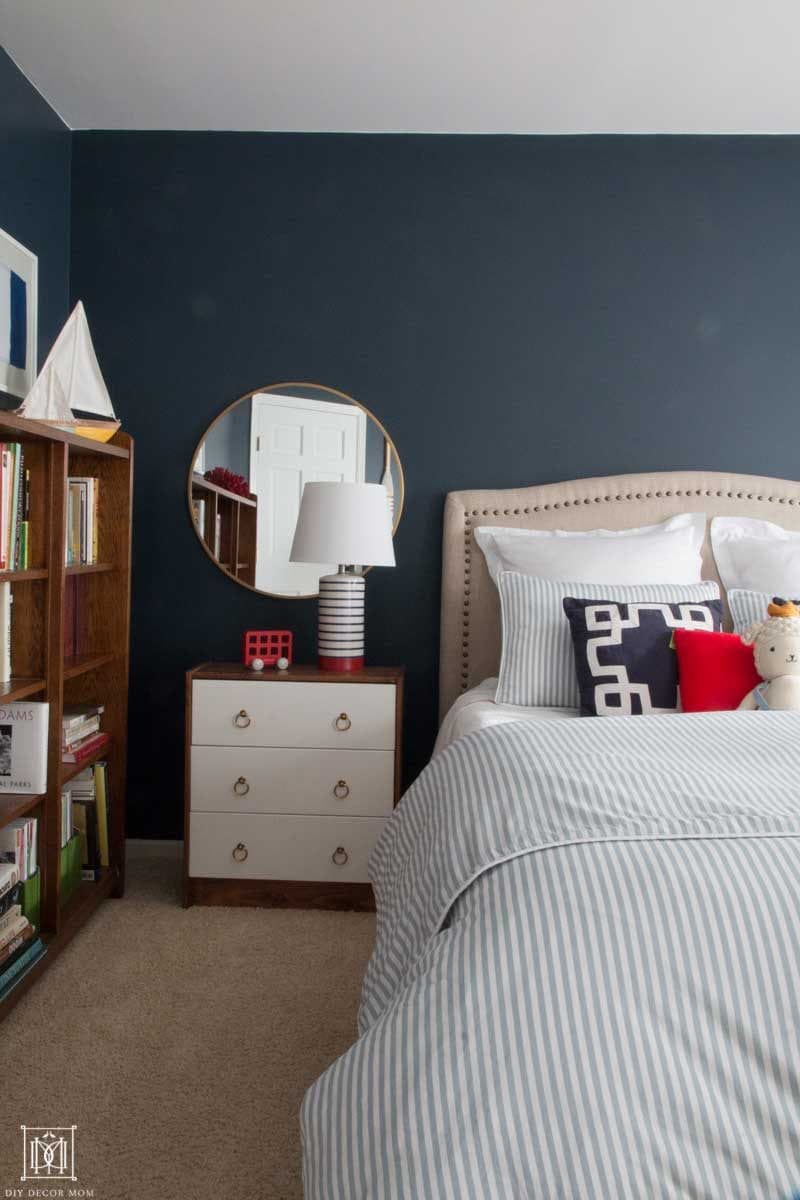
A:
x: 515, y: 310
x: 35, y: 157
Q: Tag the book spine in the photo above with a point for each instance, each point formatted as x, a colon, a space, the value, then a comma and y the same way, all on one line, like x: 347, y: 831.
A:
x: 95, y: 492
x: 5, y: 632
x: 19, y: 506
x: 101, y: 792
x: 3, y: 506
x: 9, y: 877
x: 29, y: 956
x: 26, y: 519
x: 16, y: 505
x: 8, y: 918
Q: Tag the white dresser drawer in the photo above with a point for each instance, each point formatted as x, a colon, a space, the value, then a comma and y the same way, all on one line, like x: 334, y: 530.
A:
x: 282, y: 847
x: 270, y: 780
x: 272, y: 713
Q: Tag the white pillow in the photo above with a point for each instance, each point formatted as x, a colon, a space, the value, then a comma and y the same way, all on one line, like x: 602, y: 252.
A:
x: 756, y: 556
x: 537, y: 665
x: 651, y: 554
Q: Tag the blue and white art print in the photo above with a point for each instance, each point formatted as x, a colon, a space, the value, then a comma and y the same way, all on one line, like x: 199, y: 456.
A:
x: 18, y: 309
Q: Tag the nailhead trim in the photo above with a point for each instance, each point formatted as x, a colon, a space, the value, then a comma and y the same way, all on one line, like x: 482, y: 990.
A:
x: 495, y: 512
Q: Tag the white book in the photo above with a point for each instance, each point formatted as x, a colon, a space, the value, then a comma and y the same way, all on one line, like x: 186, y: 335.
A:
x: 23, y: 747
x: 5, y: 632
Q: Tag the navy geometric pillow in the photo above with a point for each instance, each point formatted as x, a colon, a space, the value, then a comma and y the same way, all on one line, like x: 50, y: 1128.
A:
x: 624, y: 659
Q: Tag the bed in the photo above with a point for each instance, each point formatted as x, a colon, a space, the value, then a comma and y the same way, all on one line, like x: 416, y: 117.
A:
x: 585, y: 974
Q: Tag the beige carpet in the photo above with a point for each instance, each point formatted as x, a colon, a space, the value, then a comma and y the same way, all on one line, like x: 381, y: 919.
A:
x: 181, y: 1043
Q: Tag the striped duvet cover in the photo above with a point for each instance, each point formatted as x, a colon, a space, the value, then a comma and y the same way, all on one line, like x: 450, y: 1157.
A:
x: 586, y: 979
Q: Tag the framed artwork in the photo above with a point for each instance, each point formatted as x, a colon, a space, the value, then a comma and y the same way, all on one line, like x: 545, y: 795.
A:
x: 18, y: 310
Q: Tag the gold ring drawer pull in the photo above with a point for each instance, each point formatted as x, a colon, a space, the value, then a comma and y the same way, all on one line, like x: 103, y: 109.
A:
x: 240, y: 852
x: 340, y: 856
x: 242, y: 719
x: 241, y: 787
x: 343, y: 722
x: 341, y: 791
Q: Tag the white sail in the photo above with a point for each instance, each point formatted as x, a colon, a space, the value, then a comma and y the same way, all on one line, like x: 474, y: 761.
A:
x: 70, y: 378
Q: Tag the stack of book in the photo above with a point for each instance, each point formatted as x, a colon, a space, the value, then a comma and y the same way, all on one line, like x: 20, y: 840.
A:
x: 20, y: 948
x: 15, y: 503
x: 89, y: 803
x: 81, y: 733
x: 82, y: 508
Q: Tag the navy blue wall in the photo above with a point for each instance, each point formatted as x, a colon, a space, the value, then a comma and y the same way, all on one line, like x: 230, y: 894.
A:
x: 515, y: 310
x: 35, y: 153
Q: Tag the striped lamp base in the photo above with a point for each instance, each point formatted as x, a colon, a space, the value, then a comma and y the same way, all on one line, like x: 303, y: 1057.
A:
x: 341, y: 622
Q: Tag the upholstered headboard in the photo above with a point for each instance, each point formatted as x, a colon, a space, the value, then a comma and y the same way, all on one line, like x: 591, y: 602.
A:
x: 470, y: 621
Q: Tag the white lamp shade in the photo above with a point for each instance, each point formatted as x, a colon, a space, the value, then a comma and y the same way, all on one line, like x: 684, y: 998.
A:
x: 344, y: 523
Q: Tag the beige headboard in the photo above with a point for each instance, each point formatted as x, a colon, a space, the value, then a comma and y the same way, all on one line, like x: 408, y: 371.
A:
x: 470, y: 623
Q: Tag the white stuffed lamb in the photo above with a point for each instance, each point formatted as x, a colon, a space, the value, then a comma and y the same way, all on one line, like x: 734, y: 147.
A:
x: 776, y: 649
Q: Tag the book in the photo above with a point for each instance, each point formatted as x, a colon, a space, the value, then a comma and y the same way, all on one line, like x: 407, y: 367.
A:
x: 26, y: 519
x: 8, y: 917
x: 23, y: 747
x: 84, y: 819
x: 9, y: 879
x: 82, y: 519
x: 12, y: 930
x: 5, y: 632
x: 72, y: 737
x: 85, y: 749
x: 14, y: 970
x: 66, y: 816
x: 73, y: 714
x: 18, y: 844
x: 11, y: 949
x: 101, y: 792
x: 11, y: 897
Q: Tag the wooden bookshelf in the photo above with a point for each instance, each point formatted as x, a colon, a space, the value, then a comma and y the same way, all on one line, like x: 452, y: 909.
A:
x: 96, y: 671
x: 229, y: 521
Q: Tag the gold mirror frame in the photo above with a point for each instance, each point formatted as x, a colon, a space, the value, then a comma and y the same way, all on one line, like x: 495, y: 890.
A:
x: 275, y: 387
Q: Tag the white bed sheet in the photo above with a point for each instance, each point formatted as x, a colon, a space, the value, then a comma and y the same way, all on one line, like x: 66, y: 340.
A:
x: 476, y: 709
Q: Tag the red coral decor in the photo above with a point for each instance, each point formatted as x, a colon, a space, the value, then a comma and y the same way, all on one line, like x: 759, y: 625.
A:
x: 226, y: 479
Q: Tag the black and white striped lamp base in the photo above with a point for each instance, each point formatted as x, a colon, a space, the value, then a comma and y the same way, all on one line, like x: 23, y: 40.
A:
x: 341, y: 622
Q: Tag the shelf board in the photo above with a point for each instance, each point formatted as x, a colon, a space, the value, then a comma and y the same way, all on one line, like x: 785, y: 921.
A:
x: 18, y: 576
x: 14, y: 428
x: 207, y: 486
x: 86, y: 899
x: 80, y: 664
x: 72, y: 918
x: 13, y: 805
x: 89, y: 568
x: 70, y: 770
x: 18, y: 687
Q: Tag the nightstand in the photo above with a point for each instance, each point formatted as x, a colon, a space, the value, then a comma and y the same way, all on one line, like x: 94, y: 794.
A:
x: 290, y: 778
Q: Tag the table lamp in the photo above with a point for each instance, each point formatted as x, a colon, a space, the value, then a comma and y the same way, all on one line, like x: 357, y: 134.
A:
x: 345, y: 523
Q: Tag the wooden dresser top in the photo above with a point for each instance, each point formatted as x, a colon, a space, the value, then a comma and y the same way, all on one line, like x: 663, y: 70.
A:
x: 296, y: 673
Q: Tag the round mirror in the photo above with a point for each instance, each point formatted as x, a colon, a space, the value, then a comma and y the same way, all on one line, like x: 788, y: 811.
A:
x: 249, y: 471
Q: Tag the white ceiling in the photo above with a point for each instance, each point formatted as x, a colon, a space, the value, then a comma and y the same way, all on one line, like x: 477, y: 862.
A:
x: 438, y: 66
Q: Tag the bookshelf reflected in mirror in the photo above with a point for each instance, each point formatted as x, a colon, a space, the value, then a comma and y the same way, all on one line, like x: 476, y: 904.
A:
x: 69, y: 647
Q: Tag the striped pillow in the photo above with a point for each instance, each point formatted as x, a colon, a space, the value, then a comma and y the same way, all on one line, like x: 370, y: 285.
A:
x: 747, y: 608
x: 537, y: 665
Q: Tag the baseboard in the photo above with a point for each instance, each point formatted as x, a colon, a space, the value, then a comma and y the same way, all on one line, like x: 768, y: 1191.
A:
x: 153, y: 848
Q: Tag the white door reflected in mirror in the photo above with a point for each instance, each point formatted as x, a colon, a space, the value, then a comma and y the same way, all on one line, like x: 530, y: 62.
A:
x: 250, y: 468
x: 294, y: 441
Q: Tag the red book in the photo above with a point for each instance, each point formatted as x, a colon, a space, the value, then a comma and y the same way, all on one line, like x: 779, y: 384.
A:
x: 86, y: 749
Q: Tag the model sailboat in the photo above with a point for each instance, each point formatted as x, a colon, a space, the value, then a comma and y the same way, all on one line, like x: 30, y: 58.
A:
x: 71, y: 380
